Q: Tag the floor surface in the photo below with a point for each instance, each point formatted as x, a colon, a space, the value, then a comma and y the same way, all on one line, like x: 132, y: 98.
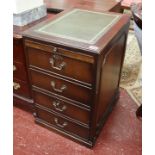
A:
x: 121, y: 134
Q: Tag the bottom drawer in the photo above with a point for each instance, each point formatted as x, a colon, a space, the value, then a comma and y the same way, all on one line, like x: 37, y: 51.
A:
x: 21, y: 88
x: 63, y: 124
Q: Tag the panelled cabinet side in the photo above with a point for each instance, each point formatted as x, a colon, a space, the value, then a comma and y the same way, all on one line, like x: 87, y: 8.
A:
x: 108, y: 73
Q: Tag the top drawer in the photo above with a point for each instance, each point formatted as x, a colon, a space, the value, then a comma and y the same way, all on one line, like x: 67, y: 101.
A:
x: 18, y: 50
x: 57, y: 60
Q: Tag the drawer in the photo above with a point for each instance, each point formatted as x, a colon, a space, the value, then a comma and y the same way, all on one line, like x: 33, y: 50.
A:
x: 18, y: 50
x: 63, y: 124
x: 62, y: 107
x: 60, y: 86
x: 21, y: 88
x: 19, y: 71
x: 63, y: 62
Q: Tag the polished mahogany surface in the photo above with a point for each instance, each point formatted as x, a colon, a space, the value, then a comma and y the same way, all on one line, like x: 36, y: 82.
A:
x: 75, y: 83
x: 102, y: 5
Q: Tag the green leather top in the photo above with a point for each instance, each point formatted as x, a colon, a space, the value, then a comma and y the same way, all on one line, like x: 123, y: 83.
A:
x: 80, y: 25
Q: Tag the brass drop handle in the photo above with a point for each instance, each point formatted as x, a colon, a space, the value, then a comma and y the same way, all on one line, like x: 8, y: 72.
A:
x: 16, y: 86
x: 60, y: 125
x: 57, y: 106
x: 59, y: 67
x: 14, y: 68
x: 56, y: 89
x: 53, y: 60
x: 55, y: 49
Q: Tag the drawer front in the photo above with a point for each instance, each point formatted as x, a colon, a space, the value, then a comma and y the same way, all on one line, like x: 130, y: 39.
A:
x: 61, y: 87
x: 62, y: 107
x: 63, y: 124
x: 21, y: 88
x: 61, y: 64
x: 18, y: 50
x: 19, y: 71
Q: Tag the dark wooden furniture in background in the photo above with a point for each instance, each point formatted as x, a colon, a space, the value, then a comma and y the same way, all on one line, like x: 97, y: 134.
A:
x: 21, y: 90
x: 101, y: 5
x: 75, y: 83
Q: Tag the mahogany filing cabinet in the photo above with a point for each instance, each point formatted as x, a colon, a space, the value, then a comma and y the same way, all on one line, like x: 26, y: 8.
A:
x: 74, y: 64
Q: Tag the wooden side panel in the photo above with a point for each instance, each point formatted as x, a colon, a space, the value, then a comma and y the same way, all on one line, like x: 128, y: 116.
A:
x: 110, y: 77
